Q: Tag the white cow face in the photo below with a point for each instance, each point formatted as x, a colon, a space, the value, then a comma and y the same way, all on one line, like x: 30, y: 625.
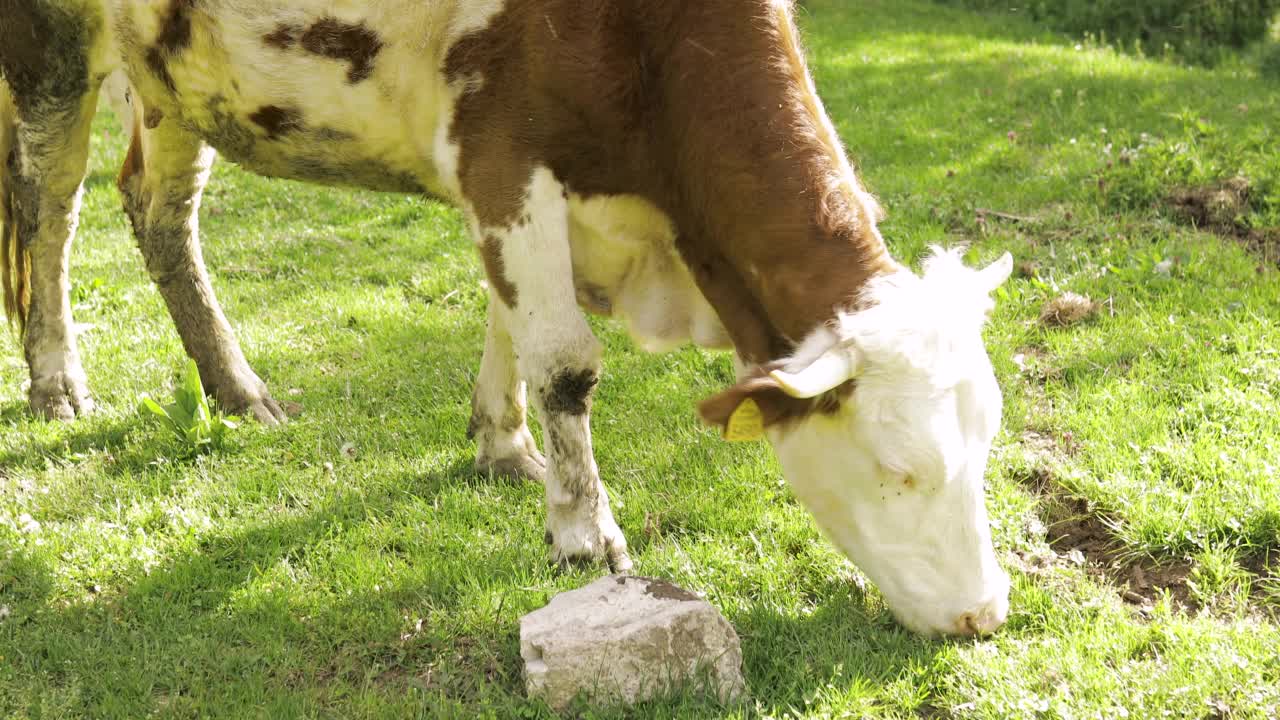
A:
x: 893, y: 473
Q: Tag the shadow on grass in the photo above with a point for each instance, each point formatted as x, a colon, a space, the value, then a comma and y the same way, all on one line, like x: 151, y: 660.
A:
x: 188, y: 638
x: 190, y: 626
x: 81, y: 437
x: 844, y: 642
x: 25, y: 584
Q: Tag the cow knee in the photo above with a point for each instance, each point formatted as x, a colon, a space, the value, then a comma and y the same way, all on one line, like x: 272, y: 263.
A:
x: 569, y: 391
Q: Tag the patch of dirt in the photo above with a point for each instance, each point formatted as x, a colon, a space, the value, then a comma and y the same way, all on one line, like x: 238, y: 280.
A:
x: 1265, y: 243
x: 1036, y: 364
x: 1081, y: 534
x: 1078, y: 533
x: 458, y: 668
x: 1263, y: 563
x: 1221, y: 208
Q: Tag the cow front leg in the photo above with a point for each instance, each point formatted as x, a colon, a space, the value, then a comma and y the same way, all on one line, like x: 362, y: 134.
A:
x: 162, y: 182
x: 530, y: 268
x: 504, y: 445
x: 44, y: 160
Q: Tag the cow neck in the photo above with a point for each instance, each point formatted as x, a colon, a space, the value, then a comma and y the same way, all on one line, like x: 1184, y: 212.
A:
x: 774, y: 225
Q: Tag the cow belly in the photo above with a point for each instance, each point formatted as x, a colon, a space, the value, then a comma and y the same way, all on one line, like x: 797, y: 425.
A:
x: 325, y: 155
x: 625, y: 265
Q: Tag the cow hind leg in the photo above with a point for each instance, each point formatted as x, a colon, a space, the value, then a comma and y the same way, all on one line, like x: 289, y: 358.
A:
x: 43, y: 165
x: 504, y: 445
x: 529, y: 265
x: 162, y: 181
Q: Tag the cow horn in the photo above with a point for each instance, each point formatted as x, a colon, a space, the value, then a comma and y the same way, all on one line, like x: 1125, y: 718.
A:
x: 829, y: 371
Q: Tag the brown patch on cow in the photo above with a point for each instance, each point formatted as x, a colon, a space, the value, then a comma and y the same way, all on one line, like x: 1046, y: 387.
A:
x: 338, y: 40
x: 570, y: 393
x: 175, y: 30
x: 43, y: 50
x: 277, y: 121
x: 493, y: 173
x: 152, y: 118
x: 283, y: 37
x: 496, y: 269
x: 736, y: 153
x: 22, y: 51
x: 174, y: 37
x: 129, y: 181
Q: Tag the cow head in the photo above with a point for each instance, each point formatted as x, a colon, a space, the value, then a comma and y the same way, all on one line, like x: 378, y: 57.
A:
x: 890, y: 450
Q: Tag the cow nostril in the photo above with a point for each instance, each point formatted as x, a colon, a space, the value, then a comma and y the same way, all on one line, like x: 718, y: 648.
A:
x: 979, y: 622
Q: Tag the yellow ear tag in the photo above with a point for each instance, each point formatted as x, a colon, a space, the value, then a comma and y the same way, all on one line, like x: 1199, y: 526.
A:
x: 746, y: 424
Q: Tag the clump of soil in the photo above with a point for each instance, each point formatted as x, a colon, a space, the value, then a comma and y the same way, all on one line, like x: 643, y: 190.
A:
x: 1068, y: 309
x: 1027, y: 269
x: 1220, y: 207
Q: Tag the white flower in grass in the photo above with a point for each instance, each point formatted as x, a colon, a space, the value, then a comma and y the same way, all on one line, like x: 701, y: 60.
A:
x: 28, y: 524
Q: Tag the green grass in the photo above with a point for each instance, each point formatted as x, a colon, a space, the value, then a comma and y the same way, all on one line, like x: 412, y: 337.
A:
x: 350, y: 565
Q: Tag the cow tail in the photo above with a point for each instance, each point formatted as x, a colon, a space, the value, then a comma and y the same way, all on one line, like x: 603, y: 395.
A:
x: 15, y: 260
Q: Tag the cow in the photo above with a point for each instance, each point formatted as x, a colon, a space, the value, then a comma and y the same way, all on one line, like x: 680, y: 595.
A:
x: 664, y: 162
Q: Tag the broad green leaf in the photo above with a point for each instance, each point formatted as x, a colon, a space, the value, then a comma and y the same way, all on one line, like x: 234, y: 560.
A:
x: 153, y: 407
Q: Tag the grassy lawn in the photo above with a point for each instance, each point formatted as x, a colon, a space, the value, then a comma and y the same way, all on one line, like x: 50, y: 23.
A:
x: 351, y: 565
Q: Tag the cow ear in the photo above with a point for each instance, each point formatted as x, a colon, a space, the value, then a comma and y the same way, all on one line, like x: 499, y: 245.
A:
x: 745, y: 410
x: 994, y: 275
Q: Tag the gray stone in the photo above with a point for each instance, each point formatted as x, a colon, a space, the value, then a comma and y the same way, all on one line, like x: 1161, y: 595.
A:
x: 627, y: 639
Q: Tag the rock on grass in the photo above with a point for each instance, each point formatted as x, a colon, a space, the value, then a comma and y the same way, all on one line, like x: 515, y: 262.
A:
x: 628, y: 639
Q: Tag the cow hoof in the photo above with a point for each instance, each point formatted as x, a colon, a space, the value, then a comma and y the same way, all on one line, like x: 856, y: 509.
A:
x: 521, y: 467
x: 60, y: 397
x: 574, y: 541
x: 249, y: 399
x: 266, y: 411
x: 511, y: 455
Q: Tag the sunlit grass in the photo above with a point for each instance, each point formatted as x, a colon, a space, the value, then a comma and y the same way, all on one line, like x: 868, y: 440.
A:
x: 351, y: 564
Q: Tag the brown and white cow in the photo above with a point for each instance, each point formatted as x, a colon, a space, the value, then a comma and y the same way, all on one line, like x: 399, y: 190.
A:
x: 665, y: 162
